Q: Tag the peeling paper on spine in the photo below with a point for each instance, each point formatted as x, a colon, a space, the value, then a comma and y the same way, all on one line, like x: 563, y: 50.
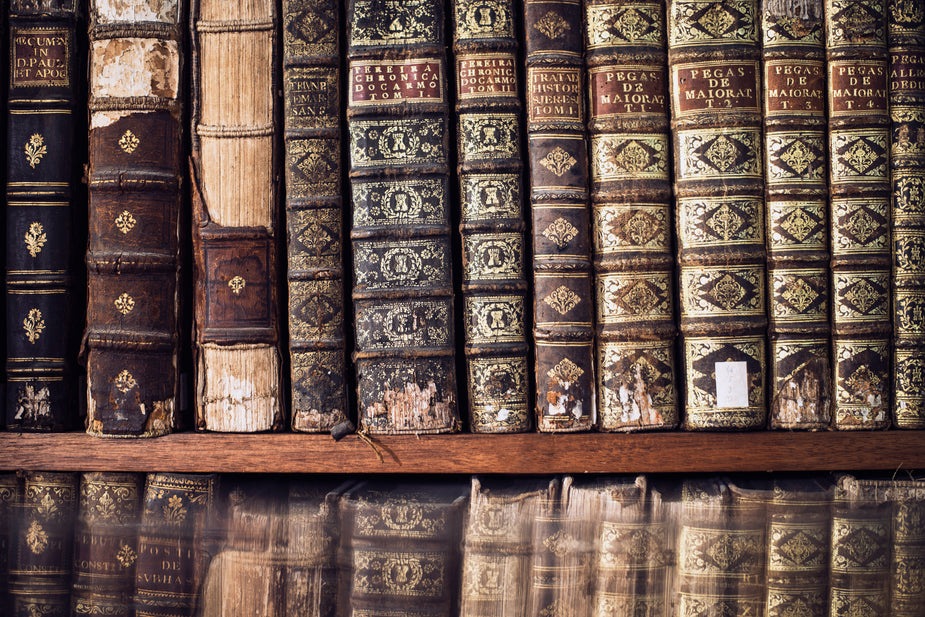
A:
x: 239, y: 389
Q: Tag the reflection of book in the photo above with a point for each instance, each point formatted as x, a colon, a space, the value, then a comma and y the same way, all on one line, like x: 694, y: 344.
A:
x: 10, y: 496
x: 907, y: 555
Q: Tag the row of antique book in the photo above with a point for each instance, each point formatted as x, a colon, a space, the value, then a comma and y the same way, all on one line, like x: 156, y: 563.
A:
x: 749, y: 178
x: 175, y: 545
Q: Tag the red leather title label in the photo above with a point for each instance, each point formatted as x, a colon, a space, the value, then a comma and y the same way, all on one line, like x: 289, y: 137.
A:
x: 483, y: 75
x: 857, y: 87
x: 554, y: 94
x: 907, y: 71
x: 378, y: 82
x: 716, y: 86
x: 794, y: 86
x: 628, y: 90
x: 40, y: 57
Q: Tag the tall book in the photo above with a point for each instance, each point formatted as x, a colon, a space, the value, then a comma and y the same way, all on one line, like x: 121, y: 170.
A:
x: 907, y: 547
x: 314, y: 213
x: 235, y: 218
x: 714, y: 59
x: 906, y: 37
x: 10, y: 499
x: 800, y: 374
x: 489, y: 120
x: 859, y: 189
x: 397, y: 119
x: 631, y: 212
x: 557, y: 148
x: 40, y: 215
x: 131, y: 340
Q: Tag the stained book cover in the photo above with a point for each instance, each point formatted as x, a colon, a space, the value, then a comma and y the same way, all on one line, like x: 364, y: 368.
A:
x: 44, y: 87
x: 10, y: 498
x: 489, y: 119
x: 631, y: 209
x: 314, y: 212
x: 235, y: 216
x: 397, y: 120
x: 130, y: 345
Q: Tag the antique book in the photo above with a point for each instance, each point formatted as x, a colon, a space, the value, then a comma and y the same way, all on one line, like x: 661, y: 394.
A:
x: 859, y: 189
x: 907, y: 547
x: 557, y: 149
x: 490, y: 163
x: 631, y: 212
x: 714, y: 60
x: 399, y: 549
x: 106, y: 544
x: 10, y: 500
x: 800, y: 374
x: 41, y: 169
x: 314, y: 213
x: 235, y: 219
x: 130, y: 345
x: 906, y: 39
x: 397, y: 119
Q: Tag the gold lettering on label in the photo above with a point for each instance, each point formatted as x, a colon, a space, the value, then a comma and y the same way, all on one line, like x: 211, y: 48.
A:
x: 35, y: 150
x: 125, y: 304
x: 237, y: 285
x: 35, y: 238
x: 128, y: 142
x: 33, y: 324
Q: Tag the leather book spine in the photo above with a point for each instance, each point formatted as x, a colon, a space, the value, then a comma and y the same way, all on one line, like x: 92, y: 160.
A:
x: 10, y: 509
x: 859, y: 189
x: 314, y: 212
x: 397, y: 119
x: 907, y: 554
x: 131, y: 341
x: 106, y: 544
x: 800, y: 375
x: 714, y: 59
x: 557, y: 147
x: 490, y: 163
x: 906, y: 38
x: 40, y: 223
x: 235, y: 216
x: 631, y: 210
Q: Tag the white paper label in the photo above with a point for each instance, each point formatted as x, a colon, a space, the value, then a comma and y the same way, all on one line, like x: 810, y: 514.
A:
x: 731, y: 384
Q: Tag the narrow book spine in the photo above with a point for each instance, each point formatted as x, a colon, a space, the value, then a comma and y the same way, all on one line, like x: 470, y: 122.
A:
x: 10, y: 500
x: 557, y: 148
x: 631, y: 211
x: 800, y: 376
x: 490, y: 164
x: 859, y: 189
x: 714, y: 60
x: 40, y: 181
x: 907, y: 554
x: 314, y: 212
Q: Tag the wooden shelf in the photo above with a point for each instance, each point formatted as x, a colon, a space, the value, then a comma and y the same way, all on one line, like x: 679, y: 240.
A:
x: 440, y: 454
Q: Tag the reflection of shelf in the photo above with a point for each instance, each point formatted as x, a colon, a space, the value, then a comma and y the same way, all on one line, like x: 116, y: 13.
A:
x: 509, y: 454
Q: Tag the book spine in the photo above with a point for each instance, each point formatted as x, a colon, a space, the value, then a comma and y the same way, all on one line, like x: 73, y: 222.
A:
x: 859, y: 190
x: 10, y: 508
x: 907, y: 555
x: 397, y: 118
x: 557, y: 148
x: 131, y: 340
x: 490, y: 164
x: 631, y: 210
x: 715, y: 83
x: 906, y: 38
x: 797, y: 233
x: 314, y: 212
x: 235, y: 218
x: 40, y: 193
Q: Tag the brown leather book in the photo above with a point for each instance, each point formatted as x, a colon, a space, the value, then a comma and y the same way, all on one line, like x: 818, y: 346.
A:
x: 907, y: 547
x: 859, y: 188
x: 489, y: 153
x: 10, y: 498
x: 397, y: 119
x: 631, y: 212
x: 130, y: 344
x: 235, y: 218
x: 557, y: 148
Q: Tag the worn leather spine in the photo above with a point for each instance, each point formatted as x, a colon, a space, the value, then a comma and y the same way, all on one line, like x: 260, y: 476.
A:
x: 631, y: 210
x: 314, y: 213
x: 131, y: 340
x: 859, y: 188
x: 10, y: 499
x: 800, y: 374
x: 715, y: 83
x: 557, y: 147
x: 906, y: 38
x: 489, y: 121
x: 907, y: 547
x: 397, y: 119
x: 40, y: 215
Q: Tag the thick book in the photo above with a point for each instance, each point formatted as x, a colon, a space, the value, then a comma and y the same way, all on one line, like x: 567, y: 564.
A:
x: 859, y: 211
x: 557, y: 148
x: 489, y: 120
x: 800, y: 374
x: 397, y: 119
x: 714, y: 59
x: 630, y: 167
x: 44, y: 85
x: 130, y: 345
x: 907, y: 547
x: 314, y: 212
x: 235, y: 218
x: 10, y: 499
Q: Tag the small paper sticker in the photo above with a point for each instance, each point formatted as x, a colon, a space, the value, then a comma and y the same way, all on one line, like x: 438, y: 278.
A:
x: 731, y: 384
